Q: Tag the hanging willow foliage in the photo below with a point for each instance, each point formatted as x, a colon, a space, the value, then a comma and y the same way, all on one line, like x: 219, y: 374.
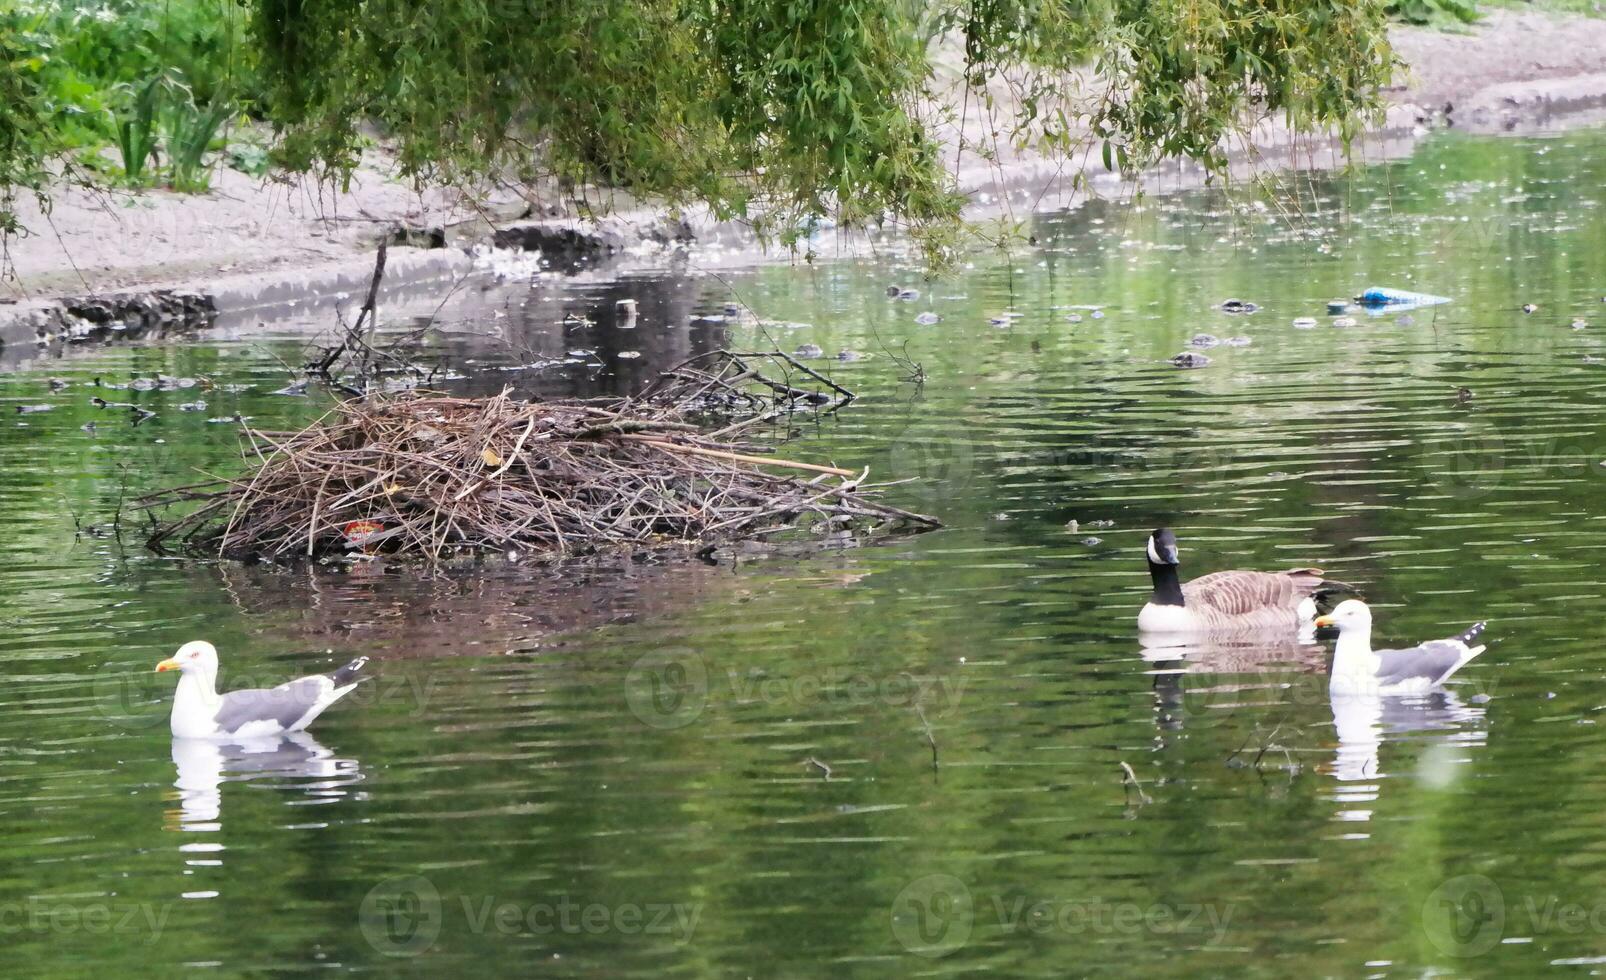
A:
x: 782, y: 110
x: 779, y: 111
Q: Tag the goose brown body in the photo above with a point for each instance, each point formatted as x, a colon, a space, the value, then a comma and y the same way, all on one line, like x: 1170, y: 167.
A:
x: 1233, y: 601
x: 1250, y: 600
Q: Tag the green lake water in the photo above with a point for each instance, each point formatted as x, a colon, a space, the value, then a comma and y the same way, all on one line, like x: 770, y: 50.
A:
x: 909, y: 758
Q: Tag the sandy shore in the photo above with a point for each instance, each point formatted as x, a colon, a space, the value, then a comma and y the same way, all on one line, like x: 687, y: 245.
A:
x: 1516, y: 71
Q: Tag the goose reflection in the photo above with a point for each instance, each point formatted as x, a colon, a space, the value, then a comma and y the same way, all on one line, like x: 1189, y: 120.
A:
x: 295, y: 762
x: 1243, y: 670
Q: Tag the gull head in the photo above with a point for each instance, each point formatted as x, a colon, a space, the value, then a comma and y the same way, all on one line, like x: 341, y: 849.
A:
x: 1351, y: 614
x: 196, y: 655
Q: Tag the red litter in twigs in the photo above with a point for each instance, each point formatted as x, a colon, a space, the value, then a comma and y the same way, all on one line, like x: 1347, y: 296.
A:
x: 357, y: 532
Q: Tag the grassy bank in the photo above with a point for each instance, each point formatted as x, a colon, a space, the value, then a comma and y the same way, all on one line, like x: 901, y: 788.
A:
x: 122, y: 92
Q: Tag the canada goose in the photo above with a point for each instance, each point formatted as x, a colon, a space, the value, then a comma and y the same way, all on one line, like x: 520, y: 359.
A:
x: 200, y: 712
x: 1225, y: 601
x: 1358, y: 669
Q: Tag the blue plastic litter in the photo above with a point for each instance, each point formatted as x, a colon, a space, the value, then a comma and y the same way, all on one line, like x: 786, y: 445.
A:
x: 1383, y: 296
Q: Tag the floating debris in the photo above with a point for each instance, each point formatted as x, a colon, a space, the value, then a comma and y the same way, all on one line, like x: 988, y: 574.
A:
x: 893, y: 291
x: 57, y: 384
x: 1204, y: 340
x: 1380, y: 296
x: 141, y: 414
x: 1237, y: 342
x: 1343, y: 321
x: 227, y: 419
x: 1307, y: 322
x: 629, y: 355
x: 1092, y: 542
x: 908, y: 294
x: 1530, y: 307
x: 927, y: 319
x: 1337, y: 307
x: 1073, y: 318
x: 88, y: 427
x: 1238, y: 306
x: 849, y: 355
x: 809, y: 351
x: 32, y: 409
x: 1190, y: 359
x: 1463, y: 394
x: 195, y: 406
x: 296, y: 389
x: 1579, y: 323
x: 1097, y: 314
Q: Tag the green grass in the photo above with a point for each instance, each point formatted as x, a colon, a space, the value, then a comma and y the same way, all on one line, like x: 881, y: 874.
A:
x: 1434, y: 13
x: 155, y: 81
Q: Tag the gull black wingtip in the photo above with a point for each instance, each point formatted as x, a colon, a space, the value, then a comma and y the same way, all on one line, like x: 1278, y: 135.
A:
x: 349, y: 674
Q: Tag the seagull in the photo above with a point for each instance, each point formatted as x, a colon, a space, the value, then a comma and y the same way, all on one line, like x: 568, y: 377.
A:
x: 1358, y: 669
x: 200, y: 712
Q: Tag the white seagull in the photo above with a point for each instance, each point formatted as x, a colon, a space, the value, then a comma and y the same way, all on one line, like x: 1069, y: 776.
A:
x: 1358, y: 669
x: 200, y: 712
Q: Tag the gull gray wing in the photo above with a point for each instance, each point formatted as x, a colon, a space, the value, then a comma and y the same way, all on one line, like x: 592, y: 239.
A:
x: 1430, y: 662
x: 282, y: 706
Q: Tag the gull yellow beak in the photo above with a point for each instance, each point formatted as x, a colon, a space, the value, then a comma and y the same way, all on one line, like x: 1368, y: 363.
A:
x: 1320, y: 621
x: 168, y: 664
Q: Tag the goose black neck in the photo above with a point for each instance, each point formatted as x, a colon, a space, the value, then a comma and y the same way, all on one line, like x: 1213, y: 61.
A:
x: 1167, y: 588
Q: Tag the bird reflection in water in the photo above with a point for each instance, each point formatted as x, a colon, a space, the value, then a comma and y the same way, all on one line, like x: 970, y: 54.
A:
x: 295, y: 763
x: 1364, y: 722
x: 1201, y: 682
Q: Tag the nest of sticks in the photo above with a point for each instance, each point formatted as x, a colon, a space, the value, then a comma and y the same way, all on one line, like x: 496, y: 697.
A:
x: 428, y: 476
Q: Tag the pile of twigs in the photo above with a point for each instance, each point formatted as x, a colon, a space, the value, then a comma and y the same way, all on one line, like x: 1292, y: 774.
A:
x: 429, y: 476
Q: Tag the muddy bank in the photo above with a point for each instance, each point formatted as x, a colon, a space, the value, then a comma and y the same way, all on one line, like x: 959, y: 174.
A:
x: 252, y: 246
